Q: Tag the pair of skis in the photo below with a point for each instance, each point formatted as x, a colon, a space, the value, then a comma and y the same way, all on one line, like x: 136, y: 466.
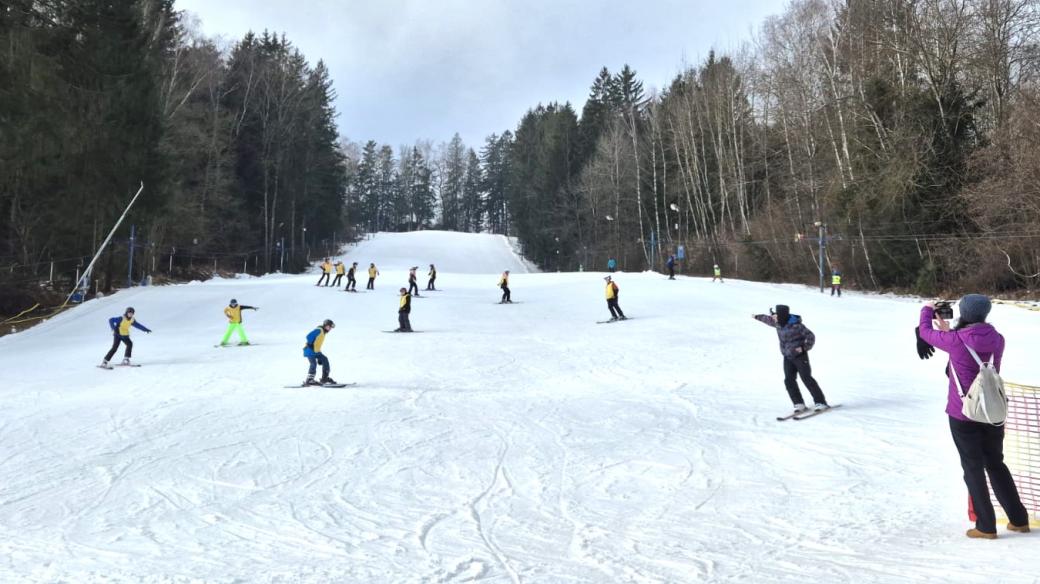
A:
x: 806, y: 414
x: 331, y: 385
x: 111, y: 367
x: 613, y: 320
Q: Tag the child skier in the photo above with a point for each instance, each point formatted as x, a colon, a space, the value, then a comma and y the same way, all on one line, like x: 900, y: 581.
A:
x: 503, y: 283
x: 836, y: 281
x: 671, y: 266
x: 372, y: 273
x: 233, y: 312
x: 339, y: 274
x: 716, y: 273
x: 326, y: 271
x: 403, y: 310
x: 121, y: 334
x: 433, y: 276
x: 612, y: 301
x: 312, y: 351
x: 351, y: 280
x: 796, y: 340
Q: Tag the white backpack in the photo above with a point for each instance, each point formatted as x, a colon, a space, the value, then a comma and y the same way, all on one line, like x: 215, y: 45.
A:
x: 985, y: 400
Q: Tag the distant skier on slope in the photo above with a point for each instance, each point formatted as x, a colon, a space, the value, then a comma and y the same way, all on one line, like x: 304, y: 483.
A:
x: 413, y: 287
x: 351, y: 279
x: 670, y: 263
x: 372, y: 273
x: 312, y: 351
x: 612, y: 300
x: 404, y: 309
x: 121, y: 334
x: 326, y: 271
x: 433, y: 277
x: 716, y: 272
x: 233, y: 312
x: 503, y: 283
x: 835, y: 281
x: 795, y: 342
x: 339, y: 274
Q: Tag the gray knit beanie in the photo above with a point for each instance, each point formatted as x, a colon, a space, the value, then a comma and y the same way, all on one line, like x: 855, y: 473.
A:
x: 974, y: 308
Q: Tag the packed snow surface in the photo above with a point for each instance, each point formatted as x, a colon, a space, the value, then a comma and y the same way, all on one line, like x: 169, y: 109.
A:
x: 505, y: 443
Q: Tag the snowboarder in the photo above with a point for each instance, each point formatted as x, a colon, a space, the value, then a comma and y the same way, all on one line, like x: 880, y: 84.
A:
x: 611, y: 265
x: 433, y: 276
x: 612, y: 301
x: 121, y: 334
x: 503, y: 283
x: 716, y: 273
x: 339, y: 274
x: 796, y: 340
x: 372, y: 273
x: 233, y: 312
x: 351, y: 280
x: 671, y: 266
x: 312, y: 351
x: 412, y: 278
x: 980, y: 446
x: 836, y: 281
x: 403, y: 310
x: 326, y: 271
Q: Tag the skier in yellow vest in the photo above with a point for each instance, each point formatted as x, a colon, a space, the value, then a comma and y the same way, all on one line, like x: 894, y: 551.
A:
x: 312, y: 351
x: 372, y: 273
x: 120, y: 326
x: 339, y: 274
x: 233, y: 312
x: 326, y: 272
x: 716, y: 273
x: 503, y: 283
x: 404, y: 309
x: 836, y: 282
x: 612, y: 301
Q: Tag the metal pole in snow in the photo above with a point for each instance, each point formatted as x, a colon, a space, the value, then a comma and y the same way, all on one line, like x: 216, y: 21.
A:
x: 105, y: 243
x: 130, y: 264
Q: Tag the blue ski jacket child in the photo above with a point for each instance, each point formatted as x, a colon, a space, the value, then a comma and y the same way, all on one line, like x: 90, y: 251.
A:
x: 121, y: 326
x: 314, y: 341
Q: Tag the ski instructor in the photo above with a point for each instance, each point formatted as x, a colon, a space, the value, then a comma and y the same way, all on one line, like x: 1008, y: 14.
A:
x: 796, y: 340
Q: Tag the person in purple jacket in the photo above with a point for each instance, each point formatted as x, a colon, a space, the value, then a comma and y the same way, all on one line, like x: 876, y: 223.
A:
x: 980, y: 446
x: 795, y: 342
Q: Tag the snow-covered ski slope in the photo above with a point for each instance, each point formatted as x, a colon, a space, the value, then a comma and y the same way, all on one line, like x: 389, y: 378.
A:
x: 507, y: 443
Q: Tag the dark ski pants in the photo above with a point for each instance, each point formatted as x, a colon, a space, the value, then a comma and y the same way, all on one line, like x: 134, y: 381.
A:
x: 403, y: 324
x: 335, y: 282
x: 371, y: 284
x: 836, y: 289
x: 671, y: 272
x: 429, y: 285
x: 116, y: 339
x: 981, y: 448
x: 413, y: 288
x: 800, y: 365
x: 505, y: 294
x: 315, y: 360
x: 351, y: 284
x: 615, y: 310
x: 324, y: 277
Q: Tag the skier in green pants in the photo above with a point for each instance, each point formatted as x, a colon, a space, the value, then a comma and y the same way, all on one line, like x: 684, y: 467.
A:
x: 234, y: 315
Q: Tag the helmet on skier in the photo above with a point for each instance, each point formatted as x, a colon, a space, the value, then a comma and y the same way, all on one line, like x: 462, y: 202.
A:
x: 328, y: 323
x: 234, y: 302
x: 129, y: 310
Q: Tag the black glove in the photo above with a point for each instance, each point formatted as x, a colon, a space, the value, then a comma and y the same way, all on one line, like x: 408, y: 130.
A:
x: 924, y: 350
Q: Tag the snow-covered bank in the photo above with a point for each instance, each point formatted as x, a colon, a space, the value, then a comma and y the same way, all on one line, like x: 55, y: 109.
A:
x: 517, y: 443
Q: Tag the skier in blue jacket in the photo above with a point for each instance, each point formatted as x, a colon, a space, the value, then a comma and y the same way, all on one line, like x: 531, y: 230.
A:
x: 312, y: 351
x: 120, y: 326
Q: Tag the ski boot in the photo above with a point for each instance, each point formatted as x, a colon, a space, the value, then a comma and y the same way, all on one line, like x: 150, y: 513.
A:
x: 328, y: 381
x: 126, y: 362
x: 310, y: 381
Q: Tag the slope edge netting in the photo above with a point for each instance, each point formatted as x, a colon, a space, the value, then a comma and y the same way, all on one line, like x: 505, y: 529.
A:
x: 1022, y: 444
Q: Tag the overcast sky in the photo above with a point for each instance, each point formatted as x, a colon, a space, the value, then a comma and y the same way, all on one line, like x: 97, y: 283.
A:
x: 406, y: 70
